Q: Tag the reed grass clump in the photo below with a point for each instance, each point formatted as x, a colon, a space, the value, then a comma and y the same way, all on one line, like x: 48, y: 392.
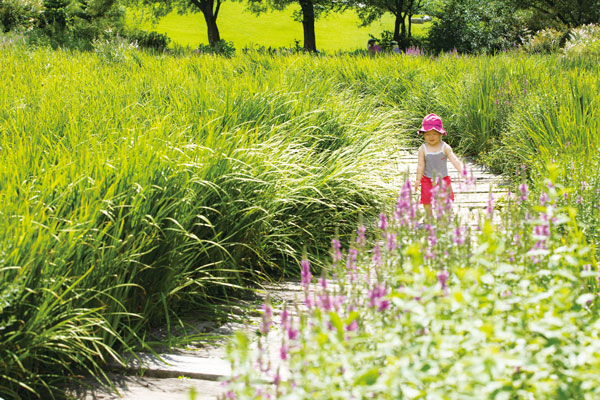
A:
x: 135, y: 191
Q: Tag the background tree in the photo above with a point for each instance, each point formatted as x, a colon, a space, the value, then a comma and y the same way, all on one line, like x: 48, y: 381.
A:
x: 310, y: 11
x: 472, y: 26
x: 209, y: 9
x: 567, y: 13
x: 402, y: 10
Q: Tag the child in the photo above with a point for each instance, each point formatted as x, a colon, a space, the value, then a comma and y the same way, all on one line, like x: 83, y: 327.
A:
x: 432, y: 165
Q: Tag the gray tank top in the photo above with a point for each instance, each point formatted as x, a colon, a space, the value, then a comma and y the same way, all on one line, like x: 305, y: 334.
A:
x: 435, y: 163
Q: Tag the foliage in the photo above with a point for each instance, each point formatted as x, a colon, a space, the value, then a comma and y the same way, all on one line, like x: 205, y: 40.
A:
x: 18, y: 15
x: 545, y: 41
x: 115, y: 49
x: 569, y: 13
x: 76, y: 24
x: 149, y: 40
x: 470, y: 26
x: 583, y: 44
x: 505, y: 310
x: 222, y: 47
x: 141, y: 187
x: 372, y: 10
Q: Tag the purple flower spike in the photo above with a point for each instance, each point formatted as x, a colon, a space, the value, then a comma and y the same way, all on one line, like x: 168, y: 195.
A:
x: 443, y: 279
x: 376, y: 298
x: 305, y: 274
x: 490, y: 206
x: 391, y: 241
x: 351, y: 261
x: 377, y: 255
x: 284, y: 351
x: 352, y: 326
x: 360, y: 235
x: 383, y: 224
x: 285, y: 321
x: 337, y: 252
x: 524, y: 189
x: 267, y: 316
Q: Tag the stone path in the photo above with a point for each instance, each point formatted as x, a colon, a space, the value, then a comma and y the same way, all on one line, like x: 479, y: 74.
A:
x: 171, y: 376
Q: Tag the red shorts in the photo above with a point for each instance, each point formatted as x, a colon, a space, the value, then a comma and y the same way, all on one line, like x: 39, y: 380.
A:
x: 427, y: 189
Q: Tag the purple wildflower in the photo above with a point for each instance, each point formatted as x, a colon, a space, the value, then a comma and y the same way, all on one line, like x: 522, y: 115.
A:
x: 524, y: 189
x: 459, y: 235
x: 337, y: 252
x: 391, y: 241
x: 305, y: 274
x: 376, y: 255
x: 360, y: 235
x: 292, y: 333
x: 376, y: 298
x: 284, y: 351
x: 383, y: 224
x: 353, y: 326
x: 490, y: 206
x: 351, y: 260
x: 267, y: 318
x: 443, y: 279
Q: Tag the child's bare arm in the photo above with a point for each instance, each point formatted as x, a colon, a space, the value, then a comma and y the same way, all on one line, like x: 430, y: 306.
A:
x: 453, y: 159
x: 420, y: 167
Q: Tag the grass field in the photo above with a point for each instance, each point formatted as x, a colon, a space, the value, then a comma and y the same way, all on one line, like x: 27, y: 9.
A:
x: 276, y: 29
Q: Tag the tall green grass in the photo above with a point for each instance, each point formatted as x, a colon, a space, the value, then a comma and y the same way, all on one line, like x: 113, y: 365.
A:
x: 136, y: 188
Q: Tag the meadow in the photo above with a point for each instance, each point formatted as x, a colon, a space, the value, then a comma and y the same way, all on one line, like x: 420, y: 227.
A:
x: 137, y: 188
x: 335, y: 32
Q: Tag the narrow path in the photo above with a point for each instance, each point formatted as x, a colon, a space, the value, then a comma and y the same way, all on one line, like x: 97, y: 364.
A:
x: 201, y: 367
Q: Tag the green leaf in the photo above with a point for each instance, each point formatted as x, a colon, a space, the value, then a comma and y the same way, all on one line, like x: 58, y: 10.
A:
x: 336, y: 321
x: 368, y: 378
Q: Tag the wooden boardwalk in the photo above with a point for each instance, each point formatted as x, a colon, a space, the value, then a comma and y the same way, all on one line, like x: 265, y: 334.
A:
x: 202, y: 366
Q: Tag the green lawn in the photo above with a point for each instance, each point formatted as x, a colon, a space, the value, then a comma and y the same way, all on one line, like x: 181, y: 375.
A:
x: 236, y: 24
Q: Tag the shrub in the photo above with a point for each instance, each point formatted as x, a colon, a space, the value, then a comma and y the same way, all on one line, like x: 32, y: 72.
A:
x: 545, y: 41
x: 18, y: 15
x: 583, y: 42
x: 474, y: 27
x: 114, y: 49
x: 222, y: 47
x: 148, y: 40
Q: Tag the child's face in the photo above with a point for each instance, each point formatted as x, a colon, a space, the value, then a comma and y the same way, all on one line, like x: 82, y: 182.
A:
x: 432, y: 137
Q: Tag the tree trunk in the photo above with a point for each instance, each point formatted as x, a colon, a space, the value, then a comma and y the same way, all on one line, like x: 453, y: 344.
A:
x: 397, y: 23
x: 308, y: 25
x: 210, y: 16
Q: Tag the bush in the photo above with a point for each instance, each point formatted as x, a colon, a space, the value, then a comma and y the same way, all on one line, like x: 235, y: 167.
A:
x: 16, y: 15
x: 470, y: 26
x: 222, y: 47
x: 546, y: 41
x: 115, y: 49
x: 583, y: 42
x: 148, y: 40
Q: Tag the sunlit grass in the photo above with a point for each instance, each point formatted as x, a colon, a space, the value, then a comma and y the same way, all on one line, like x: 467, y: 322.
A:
x: 276, y: 29
x: 134, y: 188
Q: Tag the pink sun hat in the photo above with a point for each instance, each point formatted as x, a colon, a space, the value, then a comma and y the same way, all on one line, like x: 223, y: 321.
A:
x: 432, y: 121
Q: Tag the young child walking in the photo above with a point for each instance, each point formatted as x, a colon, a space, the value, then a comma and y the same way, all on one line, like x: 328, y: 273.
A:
x: 432, y: 164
